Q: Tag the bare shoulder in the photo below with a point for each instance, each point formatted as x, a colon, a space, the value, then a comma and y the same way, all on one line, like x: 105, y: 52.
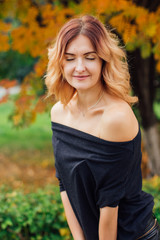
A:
x: 119, y: 123
x: 57, y: 112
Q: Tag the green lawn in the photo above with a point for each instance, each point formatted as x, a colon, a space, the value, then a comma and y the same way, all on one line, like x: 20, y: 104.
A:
x: 35, y: 137
x: 26, y: 154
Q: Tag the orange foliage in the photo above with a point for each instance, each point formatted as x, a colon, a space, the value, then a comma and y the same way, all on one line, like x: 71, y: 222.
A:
x: 40, y: 66
x: 38, y: 25
x: 34, y: 36
x: 4, y: 99
x: 135, y: 24
x: 40, y: 105
x: 144, y: 164
x: 4, y: 38
x: 23, y: 103
x: 6, y: 83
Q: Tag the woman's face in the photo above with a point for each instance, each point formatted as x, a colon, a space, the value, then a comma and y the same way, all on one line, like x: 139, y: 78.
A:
x: 81, y: 65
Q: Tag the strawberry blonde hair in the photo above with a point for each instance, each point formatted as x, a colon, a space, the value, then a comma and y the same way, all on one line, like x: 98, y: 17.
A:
x: 115, y: 73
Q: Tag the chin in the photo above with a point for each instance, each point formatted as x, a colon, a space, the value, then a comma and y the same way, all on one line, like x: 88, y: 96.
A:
x: 82, y: 88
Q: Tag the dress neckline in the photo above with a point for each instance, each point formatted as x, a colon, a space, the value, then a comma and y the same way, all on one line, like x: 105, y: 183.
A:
x: 90, y: 136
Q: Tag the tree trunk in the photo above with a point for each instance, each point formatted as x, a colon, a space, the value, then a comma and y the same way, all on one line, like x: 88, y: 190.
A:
x: 142, y: 80
x: 150, y: 138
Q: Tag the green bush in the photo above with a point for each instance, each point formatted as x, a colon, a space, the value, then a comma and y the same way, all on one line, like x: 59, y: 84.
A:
x: 32, y: 216
x: 152, y: 186
x: 40, y: 215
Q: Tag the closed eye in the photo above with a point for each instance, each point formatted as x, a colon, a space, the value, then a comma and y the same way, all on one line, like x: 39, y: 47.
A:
x: 90, y: 58
x: 69, y: 59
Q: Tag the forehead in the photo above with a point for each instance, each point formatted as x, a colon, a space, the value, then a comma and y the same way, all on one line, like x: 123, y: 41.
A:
x: 80, y: 44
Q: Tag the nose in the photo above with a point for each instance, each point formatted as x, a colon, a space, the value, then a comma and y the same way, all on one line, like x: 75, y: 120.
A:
x: 80, y: 66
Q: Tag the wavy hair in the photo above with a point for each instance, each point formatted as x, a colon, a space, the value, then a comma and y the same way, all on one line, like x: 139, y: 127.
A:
x: 115, y: 73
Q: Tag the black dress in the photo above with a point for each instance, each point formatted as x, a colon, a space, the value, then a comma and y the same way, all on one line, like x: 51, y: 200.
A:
x: 96, y: 173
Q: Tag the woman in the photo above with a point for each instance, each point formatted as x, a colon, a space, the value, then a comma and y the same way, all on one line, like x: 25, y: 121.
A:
x: 96, y: 136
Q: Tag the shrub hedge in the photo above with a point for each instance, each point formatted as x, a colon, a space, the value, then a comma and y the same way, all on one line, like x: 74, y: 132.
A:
x: 32, y: 216
x: 152, y: 186
x: 40, y: 216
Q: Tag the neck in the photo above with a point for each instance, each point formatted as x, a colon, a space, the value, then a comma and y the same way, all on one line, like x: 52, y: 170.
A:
x: 88, y: 98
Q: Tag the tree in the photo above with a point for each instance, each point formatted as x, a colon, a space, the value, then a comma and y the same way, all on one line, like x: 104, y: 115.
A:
x: 144, y: 68
x: 23, y: 23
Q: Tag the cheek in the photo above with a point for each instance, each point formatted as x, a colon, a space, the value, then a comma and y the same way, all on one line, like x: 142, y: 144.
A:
x: 96, y: 68
x: 68, y: 68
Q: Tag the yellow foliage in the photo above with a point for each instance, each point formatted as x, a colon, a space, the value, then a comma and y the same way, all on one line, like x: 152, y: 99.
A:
x: 102, y: 6
x: 17, y: 119
x: 151, y: 25
x: 41, y: 65
x: 31, y: 15
x: 47, y: 12
x: 40, y: 105
x: 144, y: 164
x: 132, y: 11
x: 141, y: 20
x: 4, y: 45
x: 129, y: 33
x: 158, y: 66
x: 151, y: 30
x: 155, y: 181
x: 33, y: 38
x: 137, y: 26
x: 32, y: 116
x: 4, y: 99
x: 157, y: 13
x: 11, y: 194
x: 18, y: 35
x: 120, y: 5
x: 4, y: 39
x: 45, y: 163
x: 64, y: 232
x: 87, y: 6
x: 12, y: 8
x: 118, y: 22
x: 4, y: 27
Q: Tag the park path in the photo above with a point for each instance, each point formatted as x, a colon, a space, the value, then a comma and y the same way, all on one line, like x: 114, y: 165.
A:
x: 18, y: 175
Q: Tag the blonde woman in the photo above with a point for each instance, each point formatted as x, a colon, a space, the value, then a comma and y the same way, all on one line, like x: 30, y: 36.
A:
x: 96, y: 136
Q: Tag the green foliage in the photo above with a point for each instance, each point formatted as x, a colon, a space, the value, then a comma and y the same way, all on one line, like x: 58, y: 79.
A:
x: 34, y: 216
x: 152, y: 186
x: 156, y: 107
x: 35, y: 137
x: 146, y: 49
x: 156, y: 104
x: 14, y: 65
x: 40, y: 215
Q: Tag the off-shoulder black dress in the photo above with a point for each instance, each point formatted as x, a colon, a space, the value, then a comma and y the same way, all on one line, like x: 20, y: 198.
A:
x: 96, y: 173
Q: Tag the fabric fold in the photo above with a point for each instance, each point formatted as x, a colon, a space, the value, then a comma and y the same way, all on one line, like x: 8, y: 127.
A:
x: 97, y: 173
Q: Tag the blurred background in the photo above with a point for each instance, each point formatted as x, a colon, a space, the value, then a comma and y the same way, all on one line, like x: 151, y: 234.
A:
x: 30, y: 206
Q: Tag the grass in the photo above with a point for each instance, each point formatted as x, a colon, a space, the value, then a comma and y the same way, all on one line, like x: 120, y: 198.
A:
x: 35, y: 137
x: 26, y: 154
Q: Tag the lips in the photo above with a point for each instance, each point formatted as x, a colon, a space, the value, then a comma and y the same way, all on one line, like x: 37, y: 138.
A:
x: 81, y: 77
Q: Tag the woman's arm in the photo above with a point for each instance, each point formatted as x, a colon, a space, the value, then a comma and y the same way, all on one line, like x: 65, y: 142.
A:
x: 73, y: 223
x: 108, y: 223
x: 118, y: 124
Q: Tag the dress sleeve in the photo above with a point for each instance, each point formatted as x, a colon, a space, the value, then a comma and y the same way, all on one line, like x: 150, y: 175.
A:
x: 110, y: 174
x: 61, y: 186
x: 54, y: 143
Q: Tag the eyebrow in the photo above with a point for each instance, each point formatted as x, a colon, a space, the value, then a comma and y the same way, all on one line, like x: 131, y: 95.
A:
x: 83, y: 54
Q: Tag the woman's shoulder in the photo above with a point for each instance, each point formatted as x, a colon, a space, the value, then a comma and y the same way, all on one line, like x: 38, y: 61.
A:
x: 119, y: 122
x: 57, y: 112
